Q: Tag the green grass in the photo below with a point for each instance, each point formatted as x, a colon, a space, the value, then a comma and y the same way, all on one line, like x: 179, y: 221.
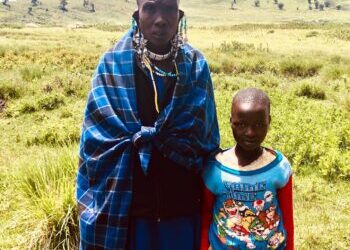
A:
x: 303, y: 67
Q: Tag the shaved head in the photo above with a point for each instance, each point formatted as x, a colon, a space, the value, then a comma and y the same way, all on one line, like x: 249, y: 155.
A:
x: 252, y: 95
x: 139, y: 1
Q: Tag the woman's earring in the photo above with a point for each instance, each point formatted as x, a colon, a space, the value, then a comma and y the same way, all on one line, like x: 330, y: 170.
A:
x: 133, y: 24
x: 185, y: 29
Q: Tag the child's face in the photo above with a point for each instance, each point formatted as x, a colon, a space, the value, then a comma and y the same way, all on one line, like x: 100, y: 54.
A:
x: 249, y: 122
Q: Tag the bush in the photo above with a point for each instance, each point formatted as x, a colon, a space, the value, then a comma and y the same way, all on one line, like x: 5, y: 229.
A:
x: 257, y: 3
x: 28, y: 107
x: 30, y: 73
x: 334, y: 165
x: 48, y: 191
x: 312, y: 34
x: 55, y: 132
x: 299, y: 67
x: 310, y: 91
x: 335, y: 72
x: 280, y: 6
x: 10, y: 90
x: 3, y: 51
x: 327, y: 4
x: 268, y: 80
x: 51, y: 102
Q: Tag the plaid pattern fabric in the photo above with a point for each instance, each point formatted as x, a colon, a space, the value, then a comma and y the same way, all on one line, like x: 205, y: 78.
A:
x: 185, y: 131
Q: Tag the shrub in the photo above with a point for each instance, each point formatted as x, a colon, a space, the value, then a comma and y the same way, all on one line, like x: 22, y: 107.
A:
x: 335, y: 72
x: 28, y: 107
x: 312, y: 34
x: 55, y: 132
x: 347, y: 104
x: 29, y: 73
x: 321, y: 7
x: 10, y: 90
x: 338, y: 7
x: 310, y: 91
x: 3, y: 51
x: 280, y: 6
x: 215, y: 67
x: 327, y: 4
x: 48, y: 191
x: 257, y: 3
x: 334, y: 165
x: 235, y: 46
x: 268, y: 80
x: 51, y: 102
x: 299, y: 67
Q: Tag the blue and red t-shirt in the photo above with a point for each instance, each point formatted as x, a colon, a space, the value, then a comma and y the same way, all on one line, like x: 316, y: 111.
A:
x: 246, y: 213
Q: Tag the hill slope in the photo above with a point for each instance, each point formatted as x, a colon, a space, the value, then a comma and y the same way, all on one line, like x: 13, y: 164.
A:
x: 207, y: 12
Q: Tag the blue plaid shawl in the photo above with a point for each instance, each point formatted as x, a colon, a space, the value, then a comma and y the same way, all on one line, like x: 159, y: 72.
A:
x: 186, y: 130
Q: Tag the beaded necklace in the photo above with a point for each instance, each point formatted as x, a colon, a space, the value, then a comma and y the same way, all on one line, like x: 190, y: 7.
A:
x: 157, y: 57
x: 155, y: 70
x: 145, y: 55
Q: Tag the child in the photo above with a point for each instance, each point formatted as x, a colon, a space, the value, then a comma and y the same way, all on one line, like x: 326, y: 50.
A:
x: 248, y: 187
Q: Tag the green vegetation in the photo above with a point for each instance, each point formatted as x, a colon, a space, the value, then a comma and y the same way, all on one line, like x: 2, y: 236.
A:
x: 45, y: 76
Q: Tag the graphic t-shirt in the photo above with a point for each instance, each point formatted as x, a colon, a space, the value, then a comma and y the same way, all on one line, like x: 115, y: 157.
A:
x: 246, y: 213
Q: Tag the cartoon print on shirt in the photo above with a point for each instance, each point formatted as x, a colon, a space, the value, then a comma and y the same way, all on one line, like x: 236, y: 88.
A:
x: 275, y: 240
x: 249, y: 221
x: 232, y: 216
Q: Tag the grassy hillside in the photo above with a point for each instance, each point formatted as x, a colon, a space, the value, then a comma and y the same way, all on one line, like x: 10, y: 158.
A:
x: 199, y: 12
x: 45, y: 76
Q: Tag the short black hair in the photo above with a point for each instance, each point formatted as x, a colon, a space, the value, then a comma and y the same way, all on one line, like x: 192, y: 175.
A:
x: 251, y: 95
x: 138, y: 1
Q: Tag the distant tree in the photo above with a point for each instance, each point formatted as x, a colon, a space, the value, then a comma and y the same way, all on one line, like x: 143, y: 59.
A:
x: 327, y: 4
x: 310, y: 7
x: 92, y: 7
x: 30, y: 10
x: 309, y: 2
x: 233, y: 3
x: 338, y: 7
x: 280, y: 6
x: 86, y: 3
x: 2, y: 105
x: 275, y: 1
x: 6, y: 3
x: 317, y: 4
x: 257, y: 3
x: 321, y: 7
x: 63, y: 4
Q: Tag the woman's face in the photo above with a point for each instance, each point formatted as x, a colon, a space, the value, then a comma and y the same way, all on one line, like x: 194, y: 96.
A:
x: 158, y: 21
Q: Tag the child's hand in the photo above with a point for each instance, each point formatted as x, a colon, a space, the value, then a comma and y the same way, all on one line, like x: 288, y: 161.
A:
x: 210, y: 248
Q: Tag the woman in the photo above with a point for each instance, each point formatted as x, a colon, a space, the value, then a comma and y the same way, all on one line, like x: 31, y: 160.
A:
x: 150, y: 120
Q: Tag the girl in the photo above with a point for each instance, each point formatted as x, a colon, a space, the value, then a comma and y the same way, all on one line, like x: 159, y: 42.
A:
x: 248, y: 187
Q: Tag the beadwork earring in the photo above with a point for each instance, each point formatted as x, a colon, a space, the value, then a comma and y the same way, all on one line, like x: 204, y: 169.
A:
x: 133, y: 24
x: 183, y: 28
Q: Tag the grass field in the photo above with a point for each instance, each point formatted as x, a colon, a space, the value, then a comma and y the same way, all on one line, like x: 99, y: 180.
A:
x: 45, y: 75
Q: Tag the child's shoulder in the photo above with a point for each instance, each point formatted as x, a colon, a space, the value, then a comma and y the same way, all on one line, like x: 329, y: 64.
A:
x: 283, y: 167
x: 283, y: 160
